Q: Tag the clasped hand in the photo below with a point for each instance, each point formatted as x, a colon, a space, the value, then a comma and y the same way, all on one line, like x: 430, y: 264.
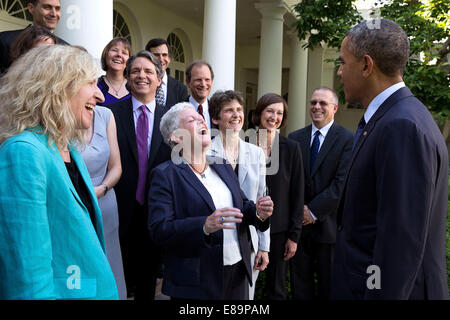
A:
x: 223, y: 218
x: 264, y: 206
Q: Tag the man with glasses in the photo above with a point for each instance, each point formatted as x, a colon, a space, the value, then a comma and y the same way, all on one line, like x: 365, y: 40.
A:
x: 326, y: 150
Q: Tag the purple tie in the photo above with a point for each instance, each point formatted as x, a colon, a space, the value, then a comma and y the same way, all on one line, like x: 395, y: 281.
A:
x: 200, y: 110
x: 142, y: 146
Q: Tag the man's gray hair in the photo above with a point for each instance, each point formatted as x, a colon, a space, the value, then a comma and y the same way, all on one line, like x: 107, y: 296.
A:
x: 385, y: 41
x: 333, y: 93
x: 171, y: 121
x: 144, y: 54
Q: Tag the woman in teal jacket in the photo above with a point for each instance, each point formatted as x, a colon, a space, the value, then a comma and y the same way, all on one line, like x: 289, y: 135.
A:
x: 51, y: 233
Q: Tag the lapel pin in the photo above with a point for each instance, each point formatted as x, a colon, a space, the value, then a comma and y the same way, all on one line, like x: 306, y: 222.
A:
x: 365, y: 133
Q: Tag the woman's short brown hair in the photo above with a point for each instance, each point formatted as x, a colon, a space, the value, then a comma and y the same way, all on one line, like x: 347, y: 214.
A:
x: 110, y: 44
x: 265, y: 101
x: 219, y: 98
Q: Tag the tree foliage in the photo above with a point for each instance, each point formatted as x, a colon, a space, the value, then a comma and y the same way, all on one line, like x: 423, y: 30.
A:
x: 427, y: 72
x: 427, y: 23
x: 325, y: 21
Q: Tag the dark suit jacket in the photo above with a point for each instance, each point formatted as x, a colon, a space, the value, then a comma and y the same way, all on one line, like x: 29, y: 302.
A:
x: 6, y: 40
x: 176, y: 92
x: 324, y: 184
x: 394, y: 207
x: 126, y: 137
x: 286, y: 188
x: 178, y: 207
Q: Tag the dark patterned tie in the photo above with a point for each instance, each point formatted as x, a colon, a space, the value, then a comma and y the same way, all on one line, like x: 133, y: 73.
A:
x: 142, y: 146
x: 314, y: 150
x: 200, y: 110
x: 361, y: 125
x: 160, y: 95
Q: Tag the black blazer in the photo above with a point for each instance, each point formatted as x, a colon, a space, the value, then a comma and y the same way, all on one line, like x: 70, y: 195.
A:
x: 126, y: 137
x: 176, y: 92
x: 178, y: 207
x: 6, y: 40
x: 394, y: 207
x: 323, y: 186
x: 286, y: 188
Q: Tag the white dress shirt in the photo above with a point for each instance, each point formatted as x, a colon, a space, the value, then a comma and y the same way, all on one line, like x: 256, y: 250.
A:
x: 222, y: 198
x: 379, y: 99
x: 164, y: 87
x: 323, y: 133
x: 205, y: 110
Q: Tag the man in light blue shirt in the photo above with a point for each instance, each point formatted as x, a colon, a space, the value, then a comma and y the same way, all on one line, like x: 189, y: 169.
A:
x: 141, y: 149
x: 199, y: 79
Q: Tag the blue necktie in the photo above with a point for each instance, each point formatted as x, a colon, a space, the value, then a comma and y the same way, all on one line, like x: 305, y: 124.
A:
x: 314, y: 150
x: 361, y: 125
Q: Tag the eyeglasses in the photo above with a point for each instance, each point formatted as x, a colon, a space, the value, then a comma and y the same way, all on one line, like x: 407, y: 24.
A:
x: 323, y: 104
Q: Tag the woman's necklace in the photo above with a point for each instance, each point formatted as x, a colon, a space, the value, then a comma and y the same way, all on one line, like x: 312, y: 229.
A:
x: 232, y: 156
x: 114, y: 89
x: 201, y: 173
x: 267, y: 147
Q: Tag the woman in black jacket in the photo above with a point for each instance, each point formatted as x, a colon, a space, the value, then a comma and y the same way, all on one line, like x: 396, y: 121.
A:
x: 285, y: 186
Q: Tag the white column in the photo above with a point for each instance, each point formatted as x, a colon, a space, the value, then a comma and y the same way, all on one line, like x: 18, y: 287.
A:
x: 298, y: 76
x: 271, y: 47
x: 315, y: 76
x: 219, y: 41
x: 86, y: 23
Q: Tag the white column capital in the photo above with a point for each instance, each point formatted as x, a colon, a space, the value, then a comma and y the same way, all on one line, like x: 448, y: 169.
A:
x: 272, y: 9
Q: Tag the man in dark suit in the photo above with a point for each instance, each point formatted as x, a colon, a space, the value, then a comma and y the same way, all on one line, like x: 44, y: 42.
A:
x: 326, y: 151
x: 392, y: 216
x: 46, y: 13
x: 199, y: 79
x: 172, y: 91
x: 141, y: 149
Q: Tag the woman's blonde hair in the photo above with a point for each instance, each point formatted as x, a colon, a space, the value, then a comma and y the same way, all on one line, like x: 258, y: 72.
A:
x: 37, y: 90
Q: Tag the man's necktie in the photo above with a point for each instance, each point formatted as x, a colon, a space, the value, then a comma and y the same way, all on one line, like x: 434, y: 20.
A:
x: 361, y: 125
x: 160, y: 95
x: 142, y: 146
x: 314, y: 150
x: 200, y: 110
